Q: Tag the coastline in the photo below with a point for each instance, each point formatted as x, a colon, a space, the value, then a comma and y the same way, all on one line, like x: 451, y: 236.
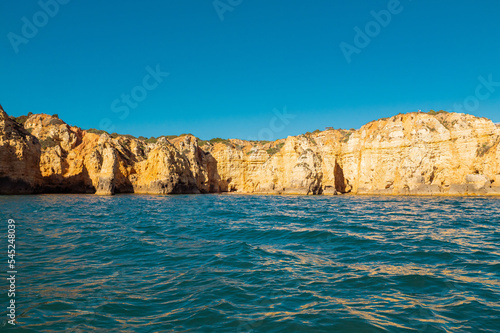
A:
x: 422, y: 195
x: 413, y: 154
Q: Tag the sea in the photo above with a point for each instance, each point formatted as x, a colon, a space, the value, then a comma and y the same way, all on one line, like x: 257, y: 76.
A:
x: 250, y: 263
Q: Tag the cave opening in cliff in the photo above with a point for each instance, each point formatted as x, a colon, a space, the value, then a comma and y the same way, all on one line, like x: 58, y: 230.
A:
x: 339, y: 178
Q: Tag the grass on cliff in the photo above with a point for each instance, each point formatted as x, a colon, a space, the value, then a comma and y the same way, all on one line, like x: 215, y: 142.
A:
x: 21, y: 119
x: 346, y: 137
x: 275, y: 149
x: 96, y: 131
x: 201, y: 142
x: 155, y: 140
x: 433, y: 113
x: 448, y: 124
x: 56, y: 121
x: 484, y: 149
x: 113, y: 135
x: 219, y: 140
x: 142, y: 138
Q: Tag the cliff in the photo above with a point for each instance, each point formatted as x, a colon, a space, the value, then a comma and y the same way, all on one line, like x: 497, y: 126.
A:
x: 415, y: 153
x: 19, y: 158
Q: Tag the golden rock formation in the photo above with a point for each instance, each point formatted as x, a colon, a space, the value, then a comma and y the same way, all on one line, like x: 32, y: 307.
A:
x: 19, y: 158
x: 415, y: 153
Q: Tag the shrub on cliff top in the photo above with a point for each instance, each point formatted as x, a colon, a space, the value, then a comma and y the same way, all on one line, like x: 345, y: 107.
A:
x: 96, y: 131
x: 308, y: 137
x: 201, y: 142
x: 272, y: 151
x: 56, y: 121
x: 275, y: 149
x: 20, y: 120
x: 116, y: 135
x: 432, y: 112
x: 219, y: 140
x: 113, y: 135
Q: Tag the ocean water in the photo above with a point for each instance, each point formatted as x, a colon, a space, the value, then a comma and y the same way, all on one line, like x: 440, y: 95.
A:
x: 236, y: 263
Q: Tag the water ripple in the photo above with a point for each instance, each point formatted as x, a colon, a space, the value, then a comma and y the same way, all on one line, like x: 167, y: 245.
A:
x: 231, y: 263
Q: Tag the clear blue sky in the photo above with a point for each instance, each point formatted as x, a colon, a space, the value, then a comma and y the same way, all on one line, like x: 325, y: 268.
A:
x: 226, y: 76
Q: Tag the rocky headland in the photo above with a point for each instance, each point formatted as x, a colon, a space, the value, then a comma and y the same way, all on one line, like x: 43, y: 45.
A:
x: 436, y: 153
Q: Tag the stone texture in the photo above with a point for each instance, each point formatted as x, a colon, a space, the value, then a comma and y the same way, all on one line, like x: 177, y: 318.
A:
x: 19, y: 158
x: 408, y: 154
x: 73, y: 160
x: 165, y: 171
x: 417, y: 153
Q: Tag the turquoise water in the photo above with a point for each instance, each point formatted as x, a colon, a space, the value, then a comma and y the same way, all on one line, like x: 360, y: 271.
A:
x: 231, y: 263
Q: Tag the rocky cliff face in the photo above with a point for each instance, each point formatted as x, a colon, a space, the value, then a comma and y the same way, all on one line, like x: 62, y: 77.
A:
x: 19, y: 158
x: 414, y: 153
x: 73, y: 160
x: 449, y: 153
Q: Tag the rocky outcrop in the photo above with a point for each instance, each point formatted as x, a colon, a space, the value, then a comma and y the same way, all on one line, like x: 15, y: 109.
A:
x: 408, y: 154
x: 19, y: 158
x: 78, y: 161
x: 202, y: 164
x: 164, y: 171
x: 415, y: 153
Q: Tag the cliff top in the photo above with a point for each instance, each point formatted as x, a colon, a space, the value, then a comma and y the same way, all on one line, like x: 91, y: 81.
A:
x: 434, y: 120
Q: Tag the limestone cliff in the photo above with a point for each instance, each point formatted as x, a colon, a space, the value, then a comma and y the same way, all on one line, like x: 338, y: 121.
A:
x: 73, y: 160
x: 19, y: 158
x: 415, y: 153
x: 449, y: 153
